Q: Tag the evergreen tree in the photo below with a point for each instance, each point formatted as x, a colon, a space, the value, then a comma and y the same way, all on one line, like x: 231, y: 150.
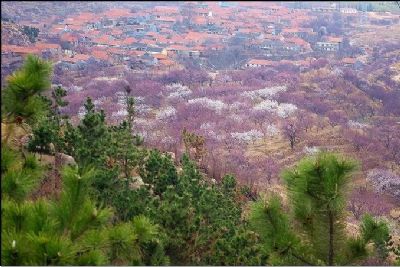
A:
x: 159, y: 171
x: 71, y: 230
x: 93, y: 137
x: 124, y: 149
x: 21, y: 101
x: 44, y: 134
x: 49, y: 130
x: 202, y: 221
x: 317, y: 188
x: 19, y: 176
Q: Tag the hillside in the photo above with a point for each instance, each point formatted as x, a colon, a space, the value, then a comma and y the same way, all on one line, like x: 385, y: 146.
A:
x: 200, y: 133
x: 154, y: 205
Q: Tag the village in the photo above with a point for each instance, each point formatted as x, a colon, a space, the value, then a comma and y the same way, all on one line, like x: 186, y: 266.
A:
x: 159, y: 37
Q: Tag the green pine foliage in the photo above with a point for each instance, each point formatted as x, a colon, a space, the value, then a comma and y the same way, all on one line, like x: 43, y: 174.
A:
x: 19, y: 175
x: 70, y: 230
x: 43, y: 135
x: 198, y: 217
x: 283, y: 246
x: 317, y: 194
x: 159, y: 171
x: 21, y: 100
x: 317, y: 190
x: 49, y: 130
x: 93, y: 137
x: 125, y: 150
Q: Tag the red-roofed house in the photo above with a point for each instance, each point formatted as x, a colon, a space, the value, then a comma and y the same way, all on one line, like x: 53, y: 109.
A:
x: 116, y: 13
x: 100, y: 54
x: 128, y: 41
x: 166, y: 10
x: 299, y: 42
x: 348, y: 61
x: 76, y: 58
x: 177, y: 49
x: 15, y: 50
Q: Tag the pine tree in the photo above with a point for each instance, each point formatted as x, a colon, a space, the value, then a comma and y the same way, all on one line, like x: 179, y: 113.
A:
x: 202, y: 221
x: 159, y: 171
x: 317, y: 193
x: 19, y: 175
x: 22, y: 104
x: 124, y: 149
x: 47, y: 134
x: 71, y: 230
x: 21, y: 101
x: 93, y: 137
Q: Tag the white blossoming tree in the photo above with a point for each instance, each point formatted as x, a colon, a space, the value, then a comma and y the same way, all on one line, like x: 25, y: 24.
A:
x: 216, y: 105
x: 166, y: 113
x: 264, y: 93
x: 249, y: 136
x: 385, y: 181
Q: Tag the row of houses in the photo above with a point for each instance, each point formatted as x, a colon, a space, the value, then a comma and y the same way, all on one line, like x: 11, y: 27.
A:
x: 157, y: 36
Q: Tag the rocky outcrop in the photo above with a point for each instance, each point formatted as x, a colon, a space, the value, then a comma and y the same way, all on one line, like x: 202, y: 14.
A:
x: 66, y: 160
x: 395, y: 214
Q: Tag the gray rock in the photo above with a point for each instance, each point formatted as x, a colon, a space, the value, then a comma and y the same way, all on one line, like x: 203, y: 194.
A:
x: 66, y: 159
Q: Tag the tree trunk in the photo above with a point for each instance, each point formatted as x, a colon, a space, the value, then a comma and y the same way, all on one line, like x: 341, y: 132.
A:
x: 331, y: 233
x: 57, y: 175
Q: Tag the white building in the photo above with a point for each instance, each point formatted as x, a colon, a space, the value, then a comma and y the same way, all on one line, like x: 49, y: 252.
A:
x: 348, y: 10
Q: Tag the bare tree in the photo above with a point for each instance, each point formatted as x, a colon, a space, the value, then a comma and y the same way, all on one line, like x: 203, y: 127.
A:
x: 291, y: 131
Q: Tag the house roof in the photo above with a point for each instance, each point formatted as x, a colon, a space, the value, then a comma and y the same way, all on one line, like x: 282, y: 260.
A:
x: 167, y: 62
x: 148, y: 42
x: 154, y: 49
x: 262, y: 62
x: 103, y: 39
x: 128, y: 41
x: 135, y: 53
x: 117, y: 13
x: 19, y: 49
x: 178, y: 47
x: 161, y: 39
x: 160, y: 56
x: 43, y: 46
x: 166, y: 9
x: 69, y: 37
x: 349, y: 60
x: 116, y: 31
x: 76, y: 58
x: 335, y: 39
x: 100, y: 54
x: 200, y: 20
x: 297, y: 41
x: 166, y: 19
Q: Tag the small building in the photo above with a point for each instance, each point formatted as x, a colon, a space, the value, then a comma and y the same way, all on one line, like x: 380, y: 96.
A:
x: 156, y: 50
x: 348, y: 10
x: 348, y: 61
x: 148, y: 60
x: 254, y: 63
x: 331, y: 44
